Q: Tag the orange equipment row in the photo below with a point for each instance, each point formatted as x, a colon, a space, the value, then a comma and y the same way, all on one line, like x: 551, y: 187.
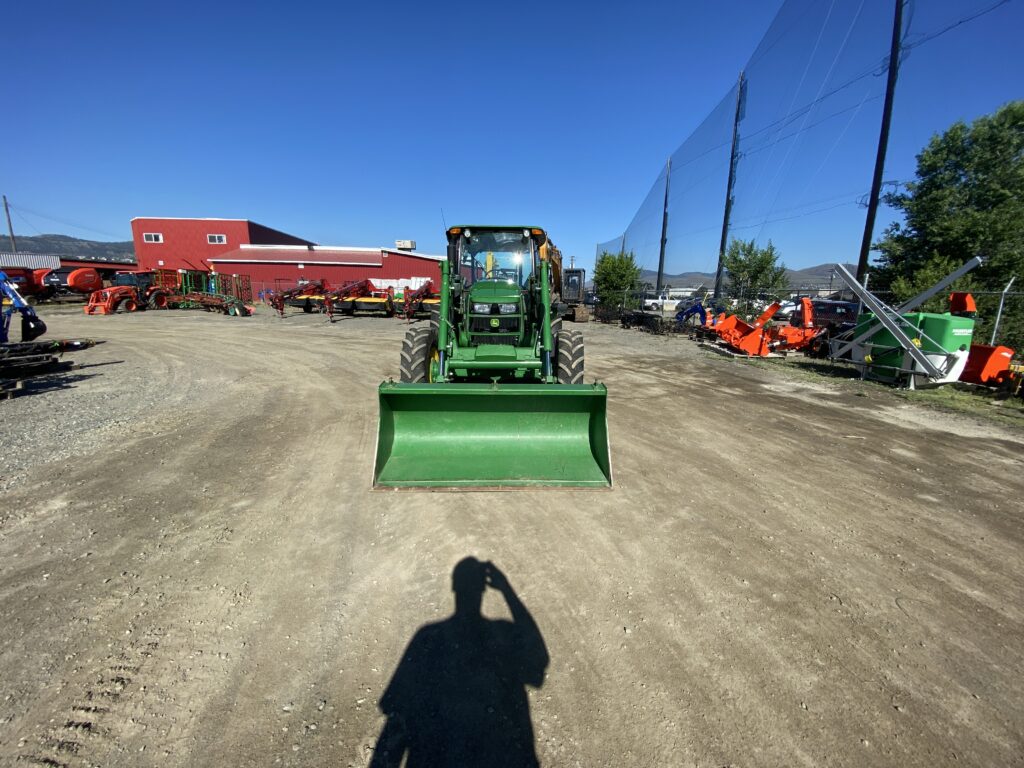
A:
x: 757, y: 339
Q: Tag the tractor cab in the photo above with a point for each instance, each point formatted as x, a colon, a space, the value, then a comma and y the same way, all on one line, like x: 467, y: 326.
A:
x: 138, y: 280
x: 496, y: 286
x: 502, y: 256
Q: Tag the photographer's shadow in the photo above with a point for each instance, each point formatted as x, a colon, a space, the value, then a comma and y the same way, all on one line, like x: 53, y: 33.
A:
x: 458, y: 696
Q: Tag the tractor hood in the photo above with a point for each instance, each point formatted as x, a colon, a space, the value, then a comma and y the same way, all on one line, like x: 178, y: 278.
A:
x: 495, y: 292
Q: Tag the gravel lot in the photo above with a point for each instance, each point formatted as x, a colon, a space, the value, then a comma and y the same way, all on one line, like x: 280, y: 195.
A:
x: 789, y: 571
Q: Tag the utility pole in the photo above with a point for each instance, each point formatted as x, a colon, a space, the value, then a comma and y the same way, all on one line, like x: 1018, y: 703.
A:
x: 10, y: 229
x: 883, y: 140
x: 664, y: 228
x: 741, y: 86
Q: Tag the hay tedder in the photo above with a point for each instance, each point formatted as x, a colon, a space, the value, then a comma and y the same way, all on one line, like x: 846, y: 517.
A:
x: 422, y: 299
x: 491, y: 392
x: 361, y: 296
x: 304, y: 296
x: 317, y: 295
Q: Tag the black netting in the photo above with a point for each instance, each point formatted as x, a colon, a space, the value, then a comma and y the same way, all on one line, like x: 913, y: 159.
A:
x: 700, y: 171
x: 809, y: 129
x: 809, y: 124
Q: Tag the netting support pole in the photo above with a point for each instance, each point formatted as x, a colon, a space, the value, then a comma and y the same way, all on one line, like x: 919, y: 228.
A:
x: 733, y: 157
x: 883, y: 140
x: 664, y: 228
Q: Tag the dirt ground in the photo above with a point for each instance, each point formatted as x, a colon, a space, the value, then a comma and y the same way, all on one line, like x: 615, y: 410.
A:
x: 788, y: 571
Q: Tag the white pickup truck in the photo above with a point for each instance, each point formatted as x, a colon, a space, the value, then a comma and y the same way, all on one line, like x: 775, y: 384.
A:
x: 662, y: 303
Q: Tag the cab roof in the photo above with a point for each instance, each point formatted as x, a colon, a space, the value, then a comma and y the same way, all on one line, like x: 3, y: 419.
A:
x: 492, y: 227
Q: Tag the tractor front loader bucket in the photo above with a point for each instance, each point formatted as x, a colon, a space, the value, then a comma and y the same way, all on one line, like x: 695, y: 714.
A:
x: 492, y: 436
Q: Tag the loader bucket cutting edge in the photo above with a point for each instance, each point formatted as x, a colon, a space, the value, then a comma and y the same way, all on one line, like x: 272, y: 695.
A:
x: 492, y: 436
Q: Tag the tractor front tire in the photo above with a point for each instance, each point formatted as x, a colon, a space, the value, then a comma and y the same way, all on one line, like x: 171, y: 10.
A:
x: 417, y: 352
x: 570, y: 357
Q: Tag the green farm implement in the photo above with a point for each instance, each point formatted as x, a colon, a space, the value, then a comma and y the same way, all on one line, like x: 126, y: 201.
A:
x: 491, y: 392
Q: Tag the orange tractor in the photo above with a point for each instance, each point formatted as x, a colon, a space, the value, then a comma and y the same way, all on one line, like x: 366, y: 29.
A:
x: 130, y: 292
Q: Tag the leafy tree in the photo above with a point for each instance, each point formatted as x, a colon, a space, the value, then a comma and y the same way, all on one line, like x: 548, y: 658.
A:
x: 754, y: 273
x: 967, y: 200
x: 615, y: 277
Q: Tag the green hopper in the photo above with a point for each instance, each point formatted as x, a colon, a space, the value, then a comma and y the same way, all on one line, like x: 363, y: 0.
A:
x: 485, y: 435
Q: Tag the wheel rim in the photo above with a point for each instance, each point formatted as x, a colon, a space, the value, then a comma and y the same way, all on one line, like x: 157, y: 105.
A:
x: 435, y: 358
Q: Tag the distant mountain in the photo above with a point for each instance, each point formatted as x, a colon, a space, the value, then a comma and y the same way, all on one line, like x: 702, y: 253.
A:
x: 62, y: 245
x: 808, y: 276
x: 682, y: 280
x: 819, y: 274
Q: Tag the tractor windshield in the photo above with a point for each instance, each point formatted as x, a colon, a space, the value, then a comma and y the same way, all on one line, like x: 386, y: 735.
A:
x: 496, y: 256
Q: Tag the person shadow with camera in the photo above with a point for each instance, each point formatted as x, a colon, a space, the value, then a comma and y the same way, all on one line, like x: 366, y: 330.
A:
x: 458, y: 696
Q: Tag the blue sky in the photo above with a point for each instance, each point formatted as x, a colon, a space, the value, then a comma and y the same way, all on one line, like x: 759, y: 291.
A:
x: 356, y: 123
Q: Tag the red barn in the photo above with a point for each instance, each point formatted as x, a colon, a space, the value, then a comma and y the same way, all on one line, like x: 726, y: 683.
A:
x: 281, y: 267
x: 272, y: 259
x: 162, y: 243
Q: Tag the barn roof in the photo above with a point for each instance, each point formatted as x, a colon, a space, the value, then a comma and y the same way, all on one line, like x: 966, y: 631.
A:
x: 314, y: 254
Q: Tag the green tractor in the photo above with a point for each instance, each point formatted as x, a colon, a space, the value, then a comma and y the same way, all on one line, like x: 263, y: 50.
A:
x: 491, y: 392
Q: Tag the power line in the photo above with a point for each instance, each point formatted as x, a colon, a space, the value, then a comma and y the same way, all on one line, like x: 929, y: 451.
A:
x: 803, y: 78
x: 27, y: 222
x: 854, y: 195
x: 796, y: 114
x: 843, y: 111
x: 831, y: 69
x: 68, y: 223
x: 959, y: 22
x: 798, y: 216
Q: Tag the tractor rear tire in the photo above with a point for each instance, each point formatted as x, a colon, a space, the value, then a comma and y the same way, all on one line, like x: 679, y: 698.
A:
x: 417, y: 352
x: 157, y: 301
x: 570, y: 357
x: 435, y: 317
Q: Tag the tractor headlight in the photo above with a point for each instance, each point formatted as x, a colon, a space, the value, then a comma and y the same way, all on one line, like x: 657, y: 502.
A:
x: 508, y: 309
x: 482, y: 309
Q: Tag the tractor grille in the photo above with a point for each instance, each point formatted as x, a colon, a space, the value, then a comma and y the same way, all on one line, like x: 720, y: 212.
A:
x: 483, y: 325
x: 494, y: 338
